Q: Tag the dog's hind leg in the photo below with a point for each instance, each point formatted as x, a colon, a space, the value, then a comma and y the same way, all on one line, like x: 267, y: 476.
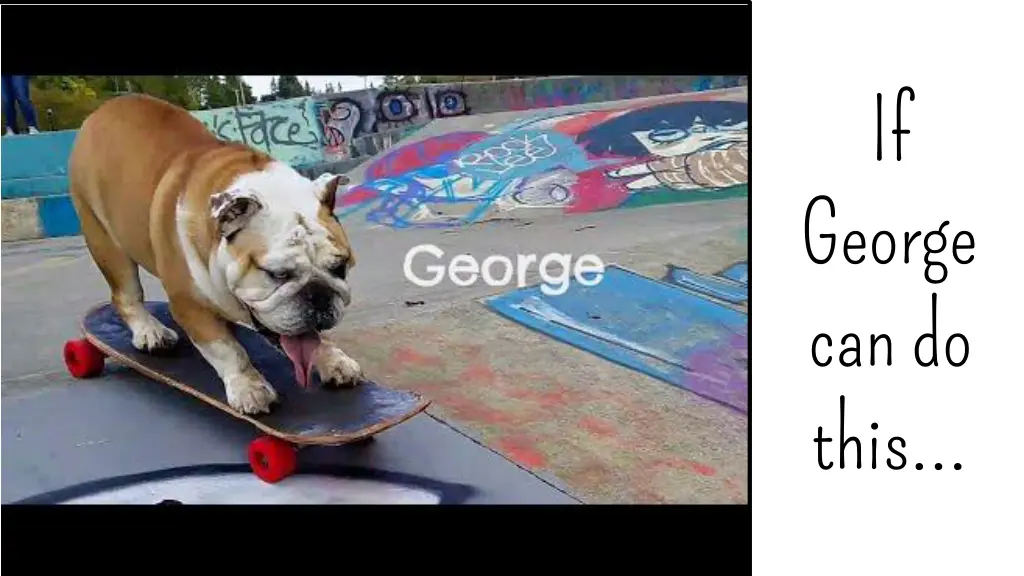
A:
x: 122, y: 274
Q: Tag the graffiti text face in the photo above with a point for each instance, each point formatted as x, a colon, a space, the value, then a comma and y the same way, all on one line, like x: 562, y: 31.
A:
x: 497, y: 270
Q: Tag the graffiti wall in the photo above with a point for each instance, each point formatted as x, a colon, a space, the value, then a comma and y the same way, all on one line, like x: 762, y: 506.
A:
x: 349, y: 120
x: 488, y: 97
x: 678, y: 150
x: 285, y: 129
x: 337, y: 127
x: 557, y: 163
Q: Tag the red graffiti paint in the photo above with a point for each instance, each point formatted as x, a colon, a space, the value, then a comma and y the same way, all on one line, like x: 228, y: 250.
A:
x: 478, y: 374
x: 594, y: 191
x: 434, y: 150
x: 558, y: 398
x: 681, y: 464
x: 702, y: 469
x: 522, y: 451
x: 357, y: 195
x: 597, y: 427
x: 470, y: 410
x: 553, y: 399
x: 404, y: 355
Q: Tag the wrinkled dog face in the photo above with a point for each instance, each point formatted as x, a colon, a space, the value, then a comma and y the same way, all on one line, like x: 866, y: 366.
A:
x: 284, y: 254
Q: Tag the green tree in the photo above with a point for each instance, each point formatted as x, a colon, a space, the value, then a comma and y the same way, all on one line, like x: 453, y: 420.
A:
x: 218, y: 94
x: 243, y: 88
x: 395, y: 82
x: 63, y: 102
x: 290, y: 87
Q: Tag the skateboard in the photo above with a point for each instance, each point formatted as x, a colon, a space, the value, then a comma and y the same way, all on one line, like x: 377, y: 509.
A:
x: 303, y: 416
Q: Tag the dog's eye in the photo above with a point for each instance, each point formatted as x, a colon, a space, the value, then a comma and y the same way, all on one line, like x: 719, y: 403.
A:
x: 281, y: 275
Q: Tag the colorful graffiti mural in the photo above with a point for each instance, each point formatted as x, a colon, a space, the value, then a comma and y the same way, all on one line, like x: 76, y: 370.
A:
x: 337, y: 132
x: 285, y: 129
x: 304, y: 131
x: 570, y: 91
x: 349, y: 121
x: 675, y: 151
x: 336, y: 127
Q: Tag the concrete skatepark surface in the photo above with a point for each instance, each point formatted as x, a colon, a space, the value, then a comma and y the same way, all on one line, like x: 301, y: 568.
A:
x: 125, y: 424
x: 517, y: 417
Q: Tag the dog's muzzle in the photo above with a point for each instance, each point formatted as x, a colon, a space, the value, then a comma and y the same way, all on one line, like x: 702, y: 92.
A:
x: 320, y: 313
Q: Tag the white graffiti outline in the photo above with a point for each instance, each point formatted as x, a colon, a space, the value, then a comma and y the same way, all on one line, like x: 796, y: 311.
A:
x: 515, y: 152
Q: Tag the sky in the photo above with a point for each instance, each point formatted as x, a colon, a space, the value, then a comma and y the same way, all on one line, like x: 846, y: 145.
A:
x: 261, y: 84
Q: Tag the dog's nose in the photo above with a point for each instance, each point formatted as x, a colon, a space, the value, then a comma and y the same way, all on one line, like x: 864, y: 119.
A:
x: 319, y: 297
x: 324, y: 321
x: 321, y: 306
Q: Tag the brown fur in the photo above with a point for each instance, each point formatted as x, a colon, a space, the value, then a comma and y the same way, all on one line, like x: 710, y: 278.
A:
x: 133, y: 160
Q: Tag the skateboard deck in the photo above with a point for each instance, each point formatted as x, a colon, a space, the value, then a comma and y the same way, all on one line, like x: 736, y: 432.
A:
x: 303, y: 416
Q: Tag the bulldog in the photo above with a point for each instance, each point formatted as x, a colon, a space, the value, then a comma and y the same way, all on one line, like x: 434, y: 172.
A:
x: 233, y: 235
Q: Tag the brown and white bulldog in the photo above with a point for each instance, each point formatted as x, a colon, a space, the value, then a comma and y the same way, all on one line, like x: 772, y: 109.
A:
x: 232, y: 234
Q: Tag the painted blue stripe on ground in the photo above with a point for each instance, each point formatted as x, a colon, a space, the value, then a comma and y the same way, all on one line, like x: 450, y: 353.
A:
x: 722, y: 288
x: 739, y: 272
x: 650, y: 326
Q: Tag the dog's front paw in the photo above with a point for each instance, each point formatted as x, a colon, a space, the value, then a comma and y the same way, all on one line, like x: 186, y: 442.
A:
x: 336, y: 368
x: 250, y: 394
x: 149, y: 335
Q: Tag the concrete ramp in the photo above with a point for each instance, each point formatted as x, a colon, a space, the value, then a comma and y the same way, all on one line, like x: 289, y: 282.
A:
x: 575, y: 159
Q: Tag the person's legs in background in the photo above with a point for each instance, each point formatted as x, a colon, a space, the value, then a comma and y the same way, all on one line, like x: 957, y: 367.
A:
x: 10, y: 113
x: 22, y: 94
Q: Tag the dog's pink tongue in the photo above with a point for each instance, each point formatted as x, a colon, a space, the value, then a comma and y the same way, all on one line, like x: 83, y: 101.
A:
x: 300, y: 350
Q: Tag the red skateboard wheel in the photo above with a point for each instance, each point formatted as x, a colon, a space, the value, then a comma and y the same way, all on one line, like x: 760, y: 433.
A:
x: 272, y: 459
x: 82, y: 359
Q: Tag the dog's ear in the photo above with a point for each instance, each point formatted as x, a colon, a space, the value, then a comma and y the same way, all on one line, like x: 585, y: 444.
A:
x: 232, y: 210
x: 326, y: 187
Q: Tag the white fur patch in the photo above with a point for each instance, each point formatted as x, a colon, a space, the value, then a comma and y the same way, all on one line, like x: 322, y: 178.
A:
x: 209, y: 279
x: 336, y: 367
x: 283, y: 192
x: 294, y: 238
x: 247, y: 391
x: 148, y: 333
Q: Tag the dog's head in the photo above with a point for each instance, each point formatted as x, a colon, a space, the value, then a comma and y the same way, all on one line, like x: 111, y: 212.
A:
x: 284, y: 255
